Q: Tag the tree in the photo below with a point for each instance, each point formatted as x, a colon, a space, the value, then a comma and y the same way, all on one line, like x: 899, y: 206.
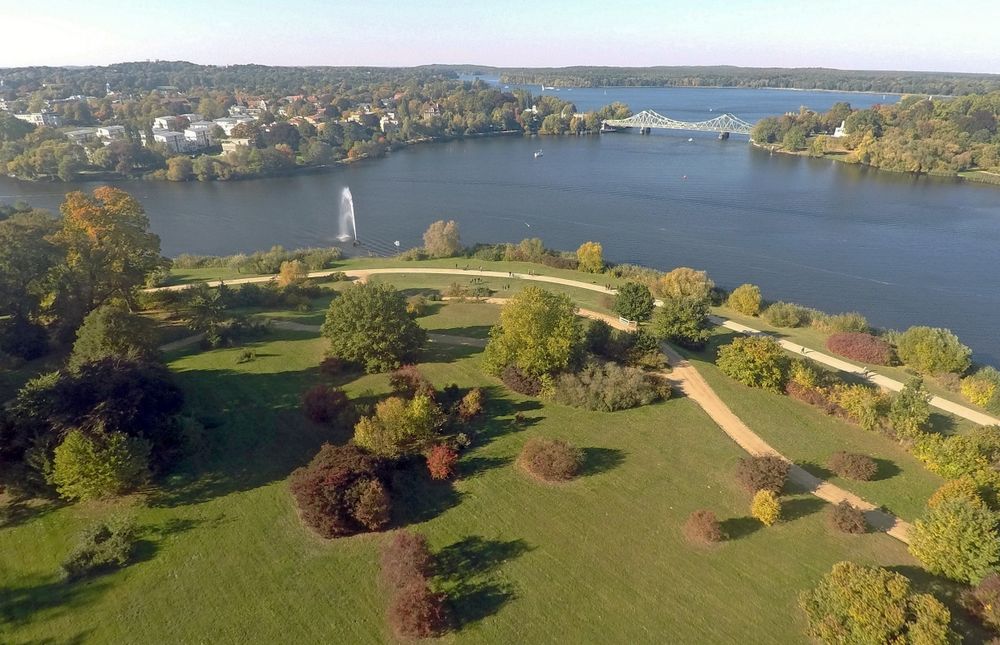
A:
x: 292, y: 272
x: 441, y: 239
x: 99, y: 465
x: 933, y: 350
x: 957, y: 539
x: 684, y: 321
x: 109, y: 249
x: 633, y: 302
x: 590, y: 256
x: 910, y: 410
x: 757, y: 361
x: 441, y: 462
x: 180, y: 168
x: 112, y: 332
x: 745, y: 299
x: 538, y: 333
x: 858, y: 604
x: 766, y: 507
x: 398, y: 426
x: 684, y: 282
x: 794, y: 139
x: 368, y: 324
x: 27, y: 255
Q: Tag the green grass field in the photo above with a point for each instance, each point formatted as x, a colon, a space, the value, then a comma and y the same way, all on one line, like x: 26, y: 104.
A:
x: 224, y: 558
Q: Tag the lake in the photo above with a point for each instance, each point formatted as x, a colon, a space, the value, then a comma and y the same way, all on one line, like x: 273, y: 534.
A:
x: 902, y: 250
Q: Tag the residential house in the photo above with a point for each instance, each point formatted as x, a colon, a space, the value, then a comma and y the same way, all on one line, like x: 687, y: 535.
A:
x: 111, y: 132
x: 174, y: 141
x: 232, y: 144
x: 227, y: 123
x: 81, y: 136
x: 46, y: 119
x: 168, y: 122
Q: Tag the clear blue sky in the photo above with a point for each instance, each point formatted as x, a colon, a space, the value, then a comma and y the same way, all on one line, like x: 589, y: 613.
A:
x: 961, y: 35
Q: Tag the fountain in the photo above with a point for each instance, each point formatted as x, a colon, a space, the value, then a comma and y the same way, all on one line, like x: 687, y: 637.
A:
x: 348, y: 227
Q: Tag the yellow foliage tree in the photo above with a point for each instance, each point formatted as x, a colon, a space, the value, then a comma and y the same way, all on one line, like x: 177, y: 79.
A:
x: 766, y: 507
x: 590, y: 255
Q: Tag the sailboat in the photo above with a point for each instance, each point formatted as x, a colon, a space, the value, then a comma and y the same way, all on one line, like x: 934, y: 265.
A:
x: 538, y: 153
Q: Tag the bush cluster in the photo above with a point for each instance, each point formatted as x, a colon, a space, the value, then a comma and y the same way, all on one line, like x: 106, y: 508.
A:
x: 608, y: 387
x: 864, y: 405
x: 324, y: 403
x: 865, y: 348
x: 786, y: 314
x: 551, y: 459
x: 745, y: 299
x: 340, y: 492
x: 983, y: 388
x: 415, y: 611
x: 441, y: 462
x: 767, y: 472
x: 848, y: 518
x: 851, y: 322
x: 756, y: 361
x: 933, y: 350
x: 521, y: 382
x: 100, y: 547
x: 315, y: 259
x: 852, y: 465
x: 703, y: 527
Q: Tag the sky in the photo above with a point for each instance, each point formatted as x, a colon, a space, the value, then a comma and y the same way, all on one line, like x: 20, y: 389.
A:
x: 928, y: 35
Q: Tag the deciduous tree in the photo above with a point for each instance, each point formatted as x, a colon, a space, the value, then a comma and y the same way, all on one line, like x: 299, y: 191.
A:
x: 590, y: 256
x: 441, y: 239
x: 633, y: 302
x: 538, y: 333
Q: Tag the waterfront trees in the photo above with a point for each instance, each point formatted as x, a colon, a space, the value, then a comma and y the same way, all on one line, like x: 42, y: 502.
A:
x: 442, y: 240
x: 590, y: 257
x: 633, y: 301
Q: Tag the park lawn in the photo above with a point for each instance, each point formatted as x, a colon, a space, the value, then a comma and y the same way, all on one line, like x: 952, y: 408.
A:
x: 808, y: 437
x: 815, y: 339
x: 225, y: 559
x: 187, y: 276
x: 470, y: 319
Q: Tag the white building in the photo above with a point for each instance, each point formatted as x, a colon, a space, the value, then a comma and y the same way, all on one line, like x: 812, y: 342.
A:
x: 388, y: 123
x: 41, y: 119
x: 4, y: 105
x: 111, y: 132
x: 233, y: 144
x: 199, y: 137
x: 228, y: 123
x: 840, y: 130
x: 193, y: 117
x: 174, y: 141
x: 81, y: 136
x: 168, y: 122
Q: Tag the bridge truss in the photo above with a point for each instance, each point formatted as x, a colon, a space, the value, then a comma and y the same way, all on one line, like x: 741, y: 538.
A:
x: 649, y: 119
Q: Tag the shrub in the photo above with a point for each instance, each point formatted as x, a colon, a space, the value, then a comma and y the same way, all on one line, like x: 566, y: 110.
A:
x: 608, y: 387
x: 851, y: 322
x: 816, y: 396
x: 99, y: 465
x: 766, y: 507
x: 910, y: 410
x: 417, y: 612
x: 405, y: 557
x: 866, y: 406
x: 703, y: 527
x: 786, y: 314
x: 964, y: 487
x: 408, y: 381
x: 848, y: 519
x: 521, y: 382
x: 441, y: 462
x: 756, y: 361
x: 957, y: 539
x: 983, y: 601
x: 538, y: 333
x: 683, y: 321
x: 962, y: 454
x: 100, y: 547
x: 332, y: 366
x: 983, y: 388
x: 767, y: 472
x: 858, y: 604
x: 416, y: 306
x: 246, y: 356
x: 852, y: 465
x: 933, y: 350
x: 340, y: 492
x: 398, y: 426
x: 471, y: 404
x: 551, y: 459
x: 745, y: 299
x: 368, y: 325
x: 633, y: 302
x: 860, y: 347
x: 683, y: 283
x: 323, y: 403
x: 291, y: 273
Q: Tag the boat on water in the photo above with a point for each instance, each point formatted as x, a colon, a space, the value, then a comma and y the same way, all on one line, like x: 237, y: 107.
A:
x: 690, y: 139
x: 538, y: 153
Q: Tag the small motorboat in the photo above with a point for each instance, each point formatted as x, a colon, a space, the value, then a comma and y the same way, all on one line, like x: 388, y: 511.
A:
x: 538, y: 153
x: 690, y: 139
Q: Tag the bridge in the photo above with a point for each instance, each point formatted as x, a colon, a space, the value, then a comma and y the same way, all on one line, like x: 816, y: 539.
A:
x: 647, y: 119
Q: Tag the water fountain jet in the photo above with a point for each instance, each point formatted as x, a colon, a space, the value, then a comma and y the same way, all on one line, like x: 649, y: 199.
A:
x: 348, y: 228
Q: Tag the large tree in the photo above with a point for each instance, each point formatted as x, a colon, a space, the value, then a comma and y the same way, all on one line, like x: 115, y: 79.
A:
x: 538, y: 333
x: 368, y: 324
x: 112, y: 332
x: 441, y: 239
x: 683, y: 321
x: 109, y: 249
x: 633, y: 301
x: 957, y: 538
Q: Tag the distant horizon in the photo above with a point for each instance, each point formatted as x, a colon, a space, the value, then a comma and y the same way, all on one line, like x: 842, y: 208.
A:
x: 922, y: 35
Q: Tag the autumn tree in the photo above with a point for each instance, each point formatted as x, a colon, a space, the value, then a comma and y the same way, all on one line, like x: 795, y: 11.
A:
x: 958, y: 539
x: 933, y: 350
x: 756, y: 361
x: 538, y: 333
x: 398, y: 426
x: 684, y: 282
x: 368, y: 324
x: 109, y: 249
x: 745, y: 299
x: 441, y: 239
x: 590, y: 257
x: 292, y: 272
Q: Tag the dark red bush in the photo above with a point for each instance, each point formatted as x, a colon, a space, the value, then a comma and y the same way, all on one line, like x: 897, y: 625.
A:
x: 417, y: 612
x: 702, y: 527
x: 762, y: 473
x: 551, y: 459
x: 860, y: 347
x: 441, y: 462
x: 520, y: 382
x: 332, y: 366
x: 340, y: 492
x: 852, y: 465
x: 847, y: 518
x: 407, y: 382
x: 322, y: 403
x: 405, y: 558
x: 983, y: 601
x: 812, y: 395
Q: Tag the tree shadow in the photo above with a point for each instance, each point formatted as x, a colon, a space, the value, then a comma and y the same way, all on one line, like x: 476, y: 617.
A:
x: 470, y: 467
x: 942, y: 424
x: 23, y: 509
x: 47, y: 597
x: 736, y: 528
x: 599, y: 460
x: 816, y: 469
x: 446, y: 353
x: 467, y: 573
x: 950, y: 593
x: 481, y: 332
x: 799, y: 507
x: 885, y: 469
x: 418, y: 498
